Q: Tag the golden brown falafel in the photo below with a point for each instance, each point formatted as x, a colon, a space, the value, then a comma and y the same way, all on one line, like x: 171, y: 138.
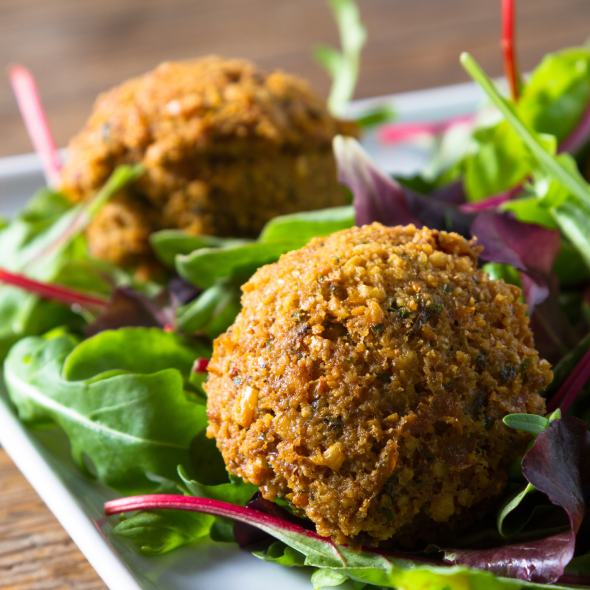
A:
x: 366, y: 379
x: 226, y: 146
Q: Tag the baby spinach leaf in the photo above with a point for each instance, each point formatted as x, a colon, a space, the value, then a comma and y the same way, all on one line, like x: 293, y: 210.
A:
x: 213, y: 311
x: 499, y: 161
x: 203, y: 267
x: 168, y: 243
x: 133, y: 350
x: 308, y: 225
x: 234, y: 493
x: 155, y: 533
x: 557, y: 94
x: 119, y: 396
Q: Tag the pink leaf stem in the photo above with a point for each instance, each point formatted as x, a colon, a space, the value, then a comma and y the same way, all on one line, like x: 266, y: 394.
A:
x: 400, y: 132
x: 264, y: 521
x: 50, y: 291
x: 492, y: 202
x: 29, y: 103
x: 568, y: 392
x: 273, y: 525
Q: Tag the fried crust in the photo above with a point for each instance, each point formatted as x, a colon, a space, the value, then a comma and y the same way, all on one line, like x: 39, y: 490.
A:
x: 366, y: 379
x: 226, y: 147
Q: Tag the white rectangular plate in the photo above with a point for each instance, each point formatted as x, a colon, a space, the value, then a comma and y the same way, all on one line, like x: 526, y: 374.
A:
x: 77, y: 502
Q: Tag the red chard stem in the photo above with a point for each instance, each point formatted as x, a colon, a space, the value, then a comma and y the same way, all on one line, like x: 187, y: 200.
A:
x: 50, y: 291
x: 508, y: 49
x: 566, y: 395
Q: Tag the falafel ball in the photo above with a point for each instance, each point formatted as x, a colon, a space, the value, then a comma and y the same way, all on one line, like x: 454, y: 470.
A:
x: 226, y: 146
x: 366, y: 378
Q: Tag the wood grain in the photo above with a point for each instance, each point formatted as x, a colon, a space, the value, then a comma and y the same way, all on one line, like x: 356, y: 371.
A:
x: 77, y: 48
x: 35, y: 552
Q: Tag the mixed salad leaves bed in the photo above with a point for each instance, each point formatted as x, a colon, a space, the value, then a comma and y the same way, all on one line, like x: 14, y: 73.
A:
x: 119, y: 363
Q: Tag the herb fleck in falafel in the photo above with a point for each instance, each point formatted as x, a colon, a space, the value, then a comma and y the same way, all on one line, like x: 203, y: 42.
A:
x: 366, y: 379
x: 226, y: 147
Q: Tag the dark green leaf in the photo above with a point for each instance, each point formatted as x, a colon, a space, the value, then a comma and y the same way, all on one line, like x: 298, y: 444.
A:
x: 376, y: 116
x: 207, y: 461
x: 133, y: 350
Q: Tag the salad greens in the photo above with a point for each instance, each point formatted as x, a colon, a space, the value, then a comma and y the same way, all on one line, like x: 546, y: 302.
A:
x: 122, y: 397
x: 45, y: 242
x: 131, y: 401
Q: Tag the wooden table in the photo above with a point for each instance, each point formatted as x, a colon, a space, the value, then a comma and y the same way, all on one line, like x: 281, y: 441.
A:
x: 77, y: 48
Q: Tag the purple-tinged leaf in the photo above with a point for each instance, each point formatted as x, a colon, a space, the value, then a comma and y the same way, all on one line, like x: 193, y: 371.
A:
x: 522, y: 245
x: 541, y: 561
x: 128, y: 307
x: 452, y: 193
x: 557, y: 465
x: 183, y: 291
x: 377, y: 197
x: 492, y: 202
x: 529, y: 248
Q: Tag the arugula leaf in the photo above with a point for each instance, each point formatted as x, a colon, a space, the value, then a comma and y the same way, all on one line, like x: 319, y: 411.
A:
x: 343, y: 66
x: 119, y: 396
